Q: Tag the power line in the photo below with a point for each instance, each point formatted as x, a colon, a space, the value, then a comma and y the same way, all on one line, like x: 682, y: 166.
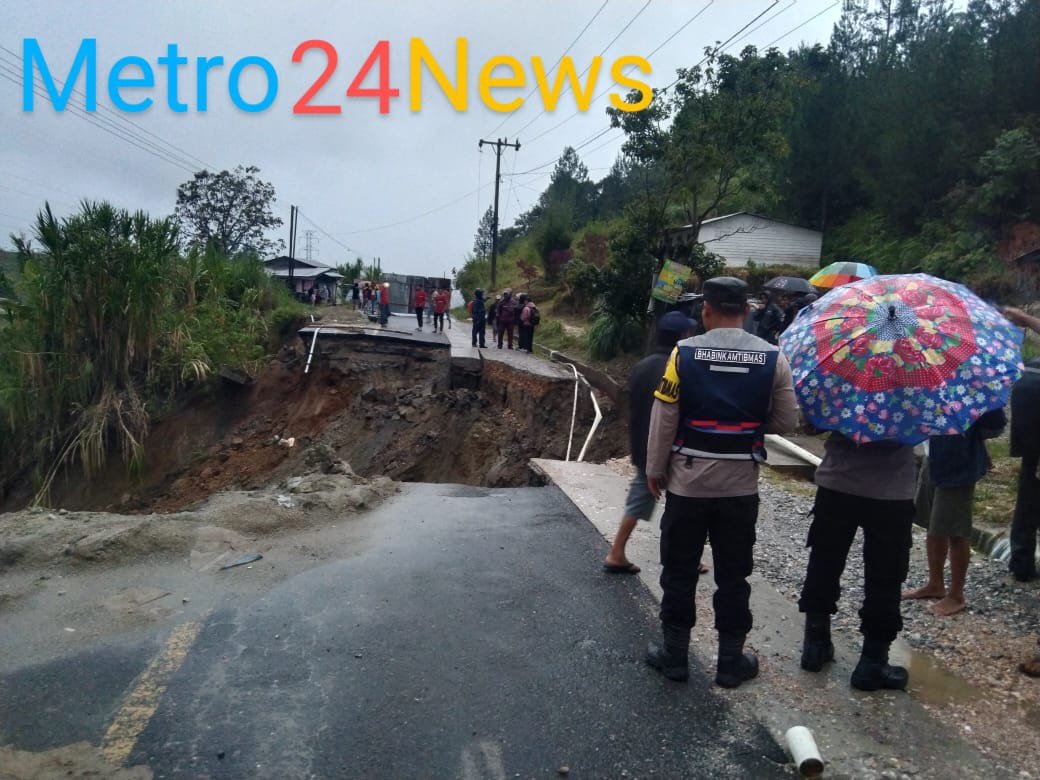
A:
x: 329, y: 236
x: 719, y: 46
x: 132, y: 128
x: 660, y: 46
x: 417, y: 216
x: 87, y: 117
x: 613, y: 40
x: 558, y: 61
x: 758, y: 27
x: 34, y: 195
x: 795, y: 29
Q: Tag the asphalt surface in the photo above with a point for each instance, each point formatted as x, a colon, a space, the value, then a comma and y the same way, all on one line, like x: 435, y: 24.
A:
x: 473, y: 636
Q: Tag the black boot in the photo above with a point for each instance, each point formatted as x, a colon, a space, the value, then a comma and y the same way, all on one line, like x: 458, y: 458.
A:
x: 734, y: 666
x: 873, y: 670
x: 672, y: 657
x: 817, y: 648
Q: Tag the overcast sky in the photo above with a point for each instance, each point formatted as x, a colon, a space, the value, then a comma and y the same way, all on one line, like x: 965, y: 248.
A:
x: 406, y: 187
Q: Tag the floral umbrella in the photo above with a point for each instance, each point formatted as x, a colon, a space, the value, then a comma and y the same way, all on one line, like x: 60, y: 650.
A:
x: 901, y: 358
x: 841, y: 272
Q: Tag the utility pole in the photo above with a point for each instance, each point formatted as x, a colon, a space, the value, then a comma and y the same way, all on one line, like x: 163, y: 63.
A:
x: 499, y: 145
x: 292, y: 248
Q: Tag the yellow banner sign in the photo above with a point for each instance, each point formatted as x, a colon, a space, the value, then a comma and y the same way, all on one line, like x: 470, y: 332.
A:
x: 671, y: 282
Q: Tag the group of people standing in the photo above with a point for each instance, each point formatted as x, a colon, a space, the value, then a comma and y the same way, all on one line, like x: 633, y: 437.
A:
x: 700, y: 407
x: 772, y: 314
x: 504, y: 314
x: 439, y: 302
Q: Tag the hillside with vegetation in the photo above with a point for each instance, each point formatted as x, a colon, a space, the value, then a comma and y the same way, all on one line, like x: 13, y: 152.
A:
x: 912, y: 140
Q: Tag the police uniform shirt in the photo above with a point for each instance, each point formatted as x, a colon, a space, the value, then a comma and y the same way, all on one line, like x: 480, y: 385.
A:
x: 707, y: 477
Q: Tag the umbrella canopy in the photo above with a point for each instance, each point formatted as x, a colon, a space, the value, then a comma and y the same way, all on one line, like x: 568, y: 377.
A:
x: 842, y: 272
x: 788, y: 284
x: 901, y: 358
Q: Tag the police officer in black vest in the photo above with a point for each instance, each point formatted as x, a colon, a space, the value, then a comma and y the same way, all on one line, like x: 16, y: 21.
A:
x: 720, y: 394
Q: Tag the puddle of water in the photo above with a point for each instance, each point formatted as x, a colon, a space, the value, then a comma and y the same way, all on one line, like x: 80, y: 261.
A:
x: 932, y: 684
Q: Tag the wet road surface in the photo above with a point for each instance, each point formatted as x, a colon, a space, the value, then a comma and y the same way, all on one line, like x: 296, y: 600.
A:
x: 473, y: 636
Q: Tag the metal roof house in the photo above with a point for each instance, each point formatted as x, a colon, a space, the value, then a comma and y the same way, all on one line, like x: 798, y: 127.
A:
x: 305, y: 274
x: 744, y: 236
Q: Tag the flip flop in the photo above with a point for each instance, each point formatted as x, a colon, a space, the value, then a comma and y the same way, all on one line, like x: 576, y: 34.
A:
x: 630, y: 568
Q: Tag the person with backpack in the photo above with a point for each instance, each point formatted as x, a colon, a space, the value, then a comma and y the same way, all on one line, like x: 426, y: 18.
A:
x: 505, y: 316
x: 477, y: 313
x: 529, y: 319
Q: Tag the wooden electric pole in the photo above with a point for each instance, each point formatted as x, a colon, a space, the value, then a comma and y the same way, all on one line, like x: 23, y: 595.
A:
x: 499, y: 145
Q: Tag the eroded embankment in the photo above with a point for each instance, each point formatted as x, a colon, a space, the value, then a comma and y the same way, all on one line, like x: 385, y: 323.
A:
x: 387, y: 407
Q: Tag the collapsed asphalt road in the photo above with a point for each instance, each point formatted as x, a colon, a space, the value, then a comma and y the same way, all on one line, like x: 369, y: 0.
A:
x: 470, y: 635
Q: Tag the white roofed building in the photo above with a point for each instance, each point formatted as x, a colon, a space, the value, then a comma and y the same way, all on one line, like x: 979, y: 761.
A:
x: 745, y: 236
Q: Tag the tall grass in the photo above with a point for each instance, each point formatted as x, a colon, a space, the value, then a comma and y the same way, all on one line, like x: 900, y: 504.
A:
x: 109, y: 319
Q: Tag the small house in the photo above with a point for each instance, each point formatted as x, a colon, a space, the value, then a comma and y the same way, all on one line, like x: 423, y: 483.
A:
x: 745, y: 236
x: 303, y: 275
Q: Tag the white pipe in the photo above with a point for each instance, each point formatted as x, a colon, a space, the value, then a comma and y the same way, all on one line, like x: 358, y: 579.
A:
x: 803, y: 750
x: 310, y: 354
x: 595, y: 425
x: 793, y: 449
x: 574, y: 412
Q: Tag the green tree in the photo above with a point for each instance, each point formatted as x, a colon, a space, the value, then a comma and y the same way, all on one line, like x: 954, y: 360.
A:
x: 230, y: 211
x: 482, y: 241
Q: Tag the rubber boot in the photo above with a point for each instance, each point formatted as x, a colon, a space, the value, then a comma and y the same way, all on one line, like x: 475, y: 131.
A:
x: 817, y: 648
x: 672, y: 657
x: 873, y: 670
x: 734, y: 666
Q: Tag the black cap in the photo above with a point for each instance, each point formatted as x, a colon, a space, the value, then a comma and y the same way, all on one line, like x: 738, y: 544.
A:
x: 675, y: 322
x: 727, y: 291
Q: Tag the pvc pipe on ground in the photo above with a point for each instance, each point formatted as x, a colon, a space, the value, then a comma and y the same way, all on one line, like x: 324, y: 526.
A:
x: 793, y: 449
x: 806, y: 755
x: 310, y: 354
x: 595, y: 425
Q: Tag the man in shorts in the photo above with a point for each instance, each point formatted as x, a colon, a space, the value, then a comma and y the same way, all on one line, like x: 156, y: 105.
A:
x: 944, y: 502
x: 645, y: 377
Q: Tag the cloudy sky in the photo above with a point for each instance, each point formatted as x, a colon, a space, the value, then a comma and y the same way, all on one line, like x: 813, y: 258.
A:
x: 408, y: 187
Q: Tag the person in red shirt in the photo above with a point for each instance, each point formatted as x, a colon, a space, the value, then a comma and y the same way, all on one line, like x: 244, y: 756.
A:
x: 420, y: 305
x: 440, y: 305
x: 384, y: 303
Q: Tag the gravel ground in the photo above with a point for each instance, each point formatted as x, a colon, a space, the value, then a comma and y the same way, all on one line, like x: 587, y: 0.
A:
x: 962, y: 667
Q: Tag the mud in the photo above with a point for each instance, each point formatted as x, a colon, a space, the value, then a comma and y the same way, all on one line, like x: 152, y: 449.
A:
x: 385, y: 407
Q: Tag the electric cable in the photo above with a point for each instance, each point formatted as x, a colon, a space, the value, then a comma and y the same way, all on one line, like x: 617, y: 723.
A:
x: 795, y: 29
x: 558, y: 61
x: 132, y: 127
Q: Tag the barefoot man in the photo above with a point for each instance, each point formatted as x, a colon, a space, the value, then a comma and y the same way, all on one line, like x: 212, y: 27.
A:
x: 944, y: 502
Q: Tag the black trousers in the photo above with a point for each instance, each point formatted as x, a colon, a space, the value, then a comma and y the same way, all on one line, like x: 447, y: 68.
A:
x: 525, y: 335
x: 418, y: 314
x: 729, y: 524
x: 1026, y: 522
x: 887, y: 537
x: 478, y: 329
x: 438, y: 321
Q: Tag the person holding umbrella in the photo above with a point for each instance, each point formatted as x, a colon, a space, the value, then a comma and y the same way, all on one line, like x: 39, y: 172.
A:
x: 883, y: 364
x: 768, y: 317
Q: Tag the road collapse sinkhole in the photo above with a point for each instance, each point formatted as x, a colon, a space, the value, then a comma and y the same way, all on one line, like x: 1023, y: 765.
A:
x: 395, y: 407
